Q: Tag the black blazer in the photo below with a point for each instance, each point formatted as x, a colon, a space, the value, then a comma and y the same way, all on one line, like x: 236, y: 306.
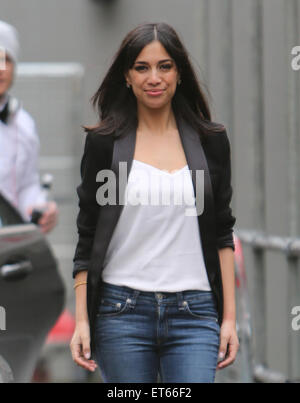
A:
x: 96, y: 223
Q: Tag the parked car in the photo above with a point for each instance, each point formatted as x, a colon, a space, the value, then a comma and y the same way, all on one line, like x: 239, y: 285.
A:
x: 31, y: 294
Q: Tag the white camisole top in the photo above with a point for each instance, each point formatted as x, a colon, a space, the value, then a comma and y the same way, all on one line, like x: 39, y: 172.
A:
x: 156, y: 244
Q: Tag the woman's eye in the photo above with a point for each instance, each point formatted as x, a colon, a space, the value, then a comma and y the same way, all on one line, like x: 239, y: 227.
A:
x: 140, y: 68
x: 166, y: 66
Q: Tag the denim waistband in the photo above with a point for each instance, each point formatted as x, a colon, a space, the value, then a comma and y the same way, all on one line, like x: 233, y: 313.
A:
x: 163, y: 296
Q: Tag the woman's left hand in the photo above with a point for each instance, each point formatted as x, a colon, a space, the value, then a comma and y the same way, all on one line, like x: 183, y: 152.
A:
x: 229, y: 344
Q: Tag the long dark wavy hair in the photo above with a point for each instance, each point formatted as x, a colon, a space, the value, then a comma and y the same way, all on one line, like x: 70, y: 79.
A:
x: 117, y: 105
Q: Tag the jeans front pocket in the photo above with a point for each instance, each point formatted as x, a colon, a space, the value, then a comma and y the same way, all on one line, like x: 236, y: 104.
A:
x: 112, y: 306
x: 201, y: 309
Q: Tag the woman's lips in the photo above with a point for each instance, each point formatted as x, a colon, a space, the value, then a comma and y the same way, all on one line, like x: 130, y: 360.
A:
x: 154, y: 93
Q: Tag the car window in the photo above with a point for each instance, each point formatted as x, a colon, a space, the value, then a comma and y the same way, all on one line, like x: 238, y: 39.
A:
x: 8, y: 214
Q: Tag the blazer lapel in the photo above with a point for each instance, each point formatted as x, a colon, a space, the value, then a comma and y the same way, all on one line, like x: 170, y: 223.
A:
x: 197, y: 162
x: 122, y: 158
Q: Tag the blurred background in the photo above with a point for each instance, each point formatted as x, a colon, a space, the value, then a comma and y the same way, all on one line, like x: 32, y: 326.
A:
x: 242, y: 51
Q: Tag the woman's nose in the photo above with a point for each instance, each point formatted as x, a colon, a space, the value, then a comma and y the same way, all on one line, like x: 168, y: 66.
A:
x: 154, y: 77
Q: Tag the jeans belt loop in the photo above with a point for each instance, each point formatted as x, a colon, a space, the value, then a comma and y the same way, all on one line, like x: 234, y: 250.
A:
x: 180, y: 300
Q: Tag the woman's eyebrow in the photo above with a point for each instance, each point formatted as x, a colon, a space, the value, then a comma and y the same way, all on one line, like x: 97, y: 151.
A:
x: 160, y: 61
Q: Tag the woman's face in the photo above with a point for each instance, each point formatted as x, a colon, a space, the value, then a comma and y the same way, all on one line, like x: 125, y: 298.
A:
x: 153, y: 76
x: 6, y: 76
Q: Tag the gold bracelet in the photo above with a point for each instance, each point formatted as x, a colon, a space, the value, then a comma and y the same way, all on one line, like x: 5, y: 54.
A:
x: 81, y: 283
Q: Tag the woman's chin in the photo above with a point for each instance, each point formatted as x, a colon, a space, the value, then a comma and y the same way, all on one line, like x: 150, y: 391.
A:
x: 155, y: 105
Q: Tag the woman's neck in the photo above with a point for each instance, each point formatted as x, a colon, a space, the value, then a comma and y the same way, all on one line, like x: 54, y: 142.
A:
x: 156, y: 121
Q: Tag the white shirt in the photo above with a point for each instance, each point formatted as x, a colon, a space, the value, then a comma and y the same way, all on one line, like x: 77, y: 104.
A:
x: 157, y: 247
x: 19, y: 148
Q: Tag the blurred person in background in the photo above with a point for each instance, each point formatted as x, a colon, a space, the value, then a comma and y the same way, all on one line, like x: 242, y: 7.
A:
x: 19, y: 143
x: 154, y: 295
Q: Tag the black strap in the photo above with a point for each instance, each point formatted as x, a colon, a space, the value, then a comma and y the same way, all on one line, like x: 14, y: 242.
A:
x: 4, y: 114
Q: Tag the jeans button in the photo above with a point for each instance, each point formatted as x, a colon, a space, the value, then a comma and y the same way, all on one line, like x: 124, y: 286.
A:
x: 159, y: 295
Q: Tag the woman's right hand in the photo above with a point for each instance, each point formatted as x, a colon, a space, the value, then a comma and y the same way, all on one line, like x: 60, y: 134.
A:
x: 80, y: 346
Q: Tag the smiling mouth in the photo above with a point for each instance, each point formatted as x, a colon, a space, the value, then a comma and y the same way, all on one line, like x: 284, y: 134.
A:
x: 154, y: 93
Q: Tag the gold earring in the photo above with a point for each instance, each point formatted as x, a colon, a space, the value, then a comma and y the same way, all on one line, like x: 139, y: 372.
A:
x: 179, y: 81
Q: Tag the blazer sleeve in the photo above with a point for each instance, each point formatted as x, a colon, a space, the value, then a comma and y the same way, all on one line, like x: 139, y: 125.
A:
x: 224, y: 217
x: 88, y: 208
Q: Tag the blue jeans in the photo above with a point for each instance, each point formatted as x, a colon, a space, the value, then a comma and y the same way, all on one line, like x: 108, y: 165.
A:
x: 139, y: 335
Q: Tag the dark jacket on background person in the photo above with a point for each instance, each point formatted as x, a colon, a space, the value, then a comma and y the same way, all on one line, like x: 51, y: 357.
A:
x: 96, y: 223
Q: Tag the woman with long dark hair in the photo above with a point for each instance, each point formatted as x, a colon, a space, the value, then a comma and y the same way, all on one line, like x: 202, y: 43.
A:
x: 154, y: 264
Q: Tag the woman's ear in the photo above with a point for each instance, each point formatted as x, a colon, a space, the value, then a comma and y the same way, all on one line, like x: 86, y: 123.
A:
x: 127, y: 79
x: 179, y: 75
